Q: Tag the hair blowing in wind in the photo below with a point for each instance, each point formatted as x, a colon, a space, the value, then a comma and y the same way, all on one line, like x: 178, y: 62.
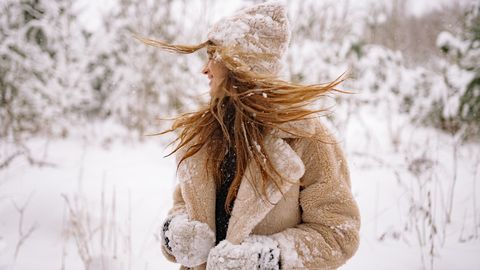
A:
x: 239, y: 116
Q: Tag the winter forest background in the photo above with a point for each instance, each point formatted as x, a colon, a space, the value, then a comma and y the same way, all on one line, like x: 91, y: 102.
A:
x: 82, y: 187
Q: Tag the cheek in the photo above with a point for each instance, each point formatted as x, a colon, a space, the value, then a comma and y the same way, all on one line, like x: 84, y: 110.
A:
x: 218, y: 70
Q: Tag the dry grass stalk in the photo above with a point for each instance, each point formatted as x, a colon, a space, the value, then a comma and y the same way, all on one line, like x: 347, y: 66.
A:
x: 22, y: 235
x: 100, y: 239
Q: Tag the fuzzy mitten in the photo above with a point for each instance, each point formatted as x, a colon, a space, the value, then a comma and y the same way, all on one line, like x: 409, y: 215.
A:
x: 256, y: 252
x: 189, y: 241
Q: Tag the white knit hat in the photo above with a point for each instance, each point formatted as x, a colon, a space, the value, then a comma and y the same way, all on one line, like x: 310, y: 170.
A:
x: 262, y: 29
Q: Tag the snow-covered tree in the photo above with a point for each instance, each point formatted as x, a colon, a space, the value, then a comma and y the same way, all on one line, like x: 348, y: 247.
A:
x: 138, y: 83
x: 26, y: 68
x: 41, y: 83
x: 462, y: 73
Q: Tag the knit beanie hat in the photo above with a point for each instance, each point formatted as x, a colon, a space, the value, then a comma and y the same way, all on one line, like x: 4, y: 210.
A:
x: 259, y: 33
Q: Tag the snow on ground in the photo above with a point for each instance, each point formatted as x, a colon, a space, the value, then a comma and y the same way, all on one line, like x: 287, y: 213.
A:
x: 135, y: 170
x: 392, y: 198
x: 393, y: 180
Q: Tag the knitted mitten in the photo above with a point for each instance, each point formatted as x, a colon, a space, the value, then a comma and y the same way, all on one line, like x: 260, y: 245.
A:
x: 189, y: 241
x: 256, y: 252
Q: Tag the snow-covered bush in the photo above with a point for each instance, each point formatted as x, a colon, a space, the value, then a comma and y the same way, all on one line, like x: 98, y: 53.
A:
x: 462, y: 71
x: 56, y: 78
x: 42, y: 86
x: 137, y: 83
x: 26, y: 66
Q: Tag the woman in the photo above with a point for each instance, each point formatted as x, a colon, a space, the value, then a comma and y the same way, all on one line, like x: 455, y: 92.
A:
x: 262, y: 183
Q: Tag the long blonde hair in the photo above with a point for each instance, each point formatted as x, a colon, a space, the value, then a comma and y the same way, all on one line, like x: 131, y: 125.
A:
x: 259, y: 102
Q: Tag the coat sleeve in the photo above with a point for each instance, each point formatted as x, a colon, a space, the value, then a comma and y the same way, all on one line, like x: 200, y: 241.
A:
x: 328, y: 234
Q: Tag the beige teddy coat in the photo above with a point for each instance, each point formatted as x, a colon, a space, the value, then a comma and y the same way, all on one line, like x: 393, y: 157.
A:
x: 316, y: 222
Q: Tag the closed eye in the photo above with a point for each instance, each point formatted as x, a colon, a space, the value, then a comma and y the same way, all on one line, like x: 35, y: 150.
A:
x: 210, y: 53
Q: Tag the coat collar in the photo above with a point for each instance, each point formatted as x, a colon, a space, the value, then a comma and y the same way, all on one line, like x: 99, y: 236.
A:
x: 198, y: 188
x: 249, y: 209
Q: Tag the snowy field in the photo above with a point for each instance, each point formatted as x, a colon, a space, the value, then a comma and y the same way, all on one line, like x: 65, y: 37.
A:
x: 120, y: 193
x: 97, y: 202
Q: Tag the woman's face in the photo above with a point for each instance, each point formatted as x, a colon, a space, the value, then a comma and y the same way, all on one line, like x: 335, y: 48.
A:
x: 216, y: 72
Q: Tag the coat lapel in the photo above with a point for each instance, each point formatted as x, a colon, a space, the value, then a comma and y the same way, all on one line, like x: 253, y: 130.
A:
x: 198, y: 191
x: 249, y: 209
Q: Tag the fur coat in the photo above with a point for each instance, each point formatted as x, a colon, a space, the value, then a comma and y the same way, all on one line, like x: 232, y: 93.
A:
x: 316, y: 222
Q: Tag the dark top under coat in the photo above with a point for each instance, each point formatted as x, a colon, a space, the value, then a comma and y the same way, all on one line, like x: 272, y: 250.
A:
x: 227, y: 174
